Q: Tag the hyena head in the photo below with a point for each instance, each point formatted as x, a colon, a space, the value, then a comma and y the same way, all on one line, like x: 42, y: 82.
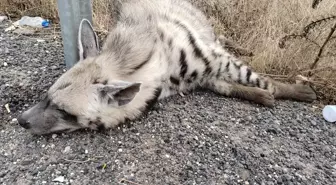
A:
x: 78, y: 98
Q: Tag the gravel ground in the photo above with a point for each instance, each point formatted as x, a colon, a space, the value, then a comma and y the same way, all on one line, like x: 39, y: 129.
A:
x: 202, y: 138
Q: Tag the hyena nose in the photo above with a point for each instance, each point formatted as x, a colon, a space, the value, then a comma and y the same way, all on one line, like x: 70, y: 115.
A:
x: 24, y: 123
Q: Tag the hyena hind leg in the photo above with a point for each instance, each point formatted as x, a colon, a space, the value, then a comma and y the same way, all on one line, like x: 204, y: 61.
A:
x: 254, y: 94
x: 296, y: 92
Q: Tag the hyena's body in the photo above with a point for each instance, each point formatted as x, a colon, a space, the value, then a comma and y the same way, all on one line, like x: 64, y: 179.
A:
x: 156, y: 49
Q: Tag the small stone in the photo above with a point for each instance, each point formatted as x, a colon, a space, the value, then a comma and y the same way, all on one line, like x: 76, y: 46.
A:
x: 5, y: 64
x: 59, y: 179
x: 40, y: 40
x: 24, y: 31
x: 3, y: 18
x: 67, y: 150
x: 54, y: 136
x: 14, y: 120
x: 44, y: 182
x: 119, y: 150
x: 313, y: 122
x: 7, y: 108
x: 86, y: 151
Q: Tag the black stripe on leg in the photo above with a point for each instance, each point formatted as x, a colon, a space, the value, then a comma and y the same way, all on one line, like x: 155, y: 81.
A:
x: 200, y: 55
x: 193, y: 76
x: 239, y: 77
x: 248, y: 74
x: 170, y: 43
x: 197, y: 51
x: 219, y: 70
x: 258, y: 82
x: 227, y: 67
x: 162, y: 36
x: 265, y: 84
x: 183, y: 63
x: 174, y: 80
x: 151, y: 102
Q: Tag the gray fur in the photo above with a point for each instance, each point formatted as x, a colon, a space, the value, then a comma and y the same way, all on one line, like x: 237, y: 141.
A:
x: 156, y: 49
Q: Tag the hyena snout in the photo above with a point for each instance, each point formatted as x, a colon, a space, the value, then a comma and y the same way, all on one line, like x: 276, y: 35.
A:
x: 24, y: 122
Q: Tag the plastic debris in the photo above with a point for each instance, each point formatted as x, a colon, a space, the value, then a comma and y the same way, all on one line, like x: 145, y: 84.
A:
x: 329, y: 113
x: 37, y: 22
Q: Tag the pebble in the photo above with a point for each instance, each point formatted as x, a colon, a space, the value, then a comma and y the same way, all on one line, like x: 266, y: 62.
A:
x: 67, y: 150
x: 3, y: 18
x: 40, y: 40
x: 24, y: 31
x: 54, y: 136
x: 5, y: 64
x: 60, y: 179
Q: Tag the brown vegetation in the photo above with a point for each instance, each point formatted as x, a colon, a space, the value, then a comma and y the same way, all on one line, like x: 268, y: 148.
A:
x: 258, y: 25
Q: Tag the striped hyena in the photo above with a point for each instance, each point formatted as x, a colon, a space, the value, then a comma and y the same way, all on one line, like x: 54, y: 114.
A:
x: 156, y: 49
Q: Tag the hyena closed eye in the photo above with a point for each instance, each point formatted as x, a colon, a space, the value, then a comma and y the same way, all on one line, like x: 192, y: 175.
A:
x: 156, y: 49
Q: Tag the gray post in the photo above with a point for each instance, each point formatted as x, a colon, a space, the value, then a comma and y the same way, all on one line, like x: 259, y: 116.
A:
x: 71, y: 12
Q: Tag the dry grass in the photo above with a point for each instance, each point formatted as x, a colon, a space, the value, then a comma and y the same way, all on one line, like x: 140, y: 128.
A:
x: 257, y: 25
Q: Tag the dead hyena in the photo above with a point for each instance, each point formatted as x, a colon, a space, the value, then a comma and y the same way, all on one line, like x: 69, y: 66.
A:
x: 155, y: 50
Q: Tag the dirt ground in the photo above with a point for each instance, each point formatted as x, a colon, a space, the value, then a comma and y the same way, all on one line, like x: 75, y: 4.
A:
x: 201, y: 138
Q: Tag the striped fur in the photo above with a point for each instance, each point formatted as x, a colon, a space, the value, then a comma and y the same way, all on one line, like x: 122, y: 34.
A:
x: 156, y: 49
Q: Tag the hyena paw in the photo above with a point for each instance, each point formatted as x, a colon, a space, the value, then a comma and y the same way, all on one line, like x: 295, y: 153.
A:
x: 304, y: 93
x: 265, y: 98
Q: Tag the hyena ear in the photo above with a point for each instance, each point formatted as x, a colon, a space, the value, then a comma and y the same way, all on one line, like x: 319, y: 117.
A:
x: 117, y: 93
x: 87, y: 40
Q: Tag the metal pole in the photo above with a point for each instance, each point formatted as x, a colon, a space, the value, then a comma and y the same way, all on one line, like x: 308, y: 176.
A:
x: 71, y: 12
